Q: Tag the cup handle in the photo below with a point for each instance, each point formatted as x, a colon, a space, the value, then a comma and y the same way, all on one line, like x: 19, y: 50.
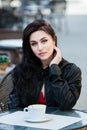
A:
x: 26, y: 109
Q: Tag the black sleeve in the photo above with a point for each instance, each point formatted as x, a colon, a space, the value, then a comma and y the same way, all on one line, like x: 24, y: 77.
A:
x: 66, y: 85
x: 13, y: 100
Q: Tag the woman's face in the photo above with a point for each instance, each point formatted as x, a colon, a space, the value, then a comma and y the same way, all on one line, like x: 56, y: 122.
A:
x: 42, y: 45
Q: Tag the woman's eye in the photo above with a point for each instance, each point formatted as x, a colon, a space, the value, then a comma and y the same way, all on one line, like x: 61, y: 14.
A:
x: 33, y: 43
x: 44, y: 41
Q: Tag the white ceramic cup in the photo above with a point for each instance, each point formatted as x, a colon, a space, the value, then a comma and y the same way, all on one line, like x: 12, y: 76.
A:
x: 35, y: 111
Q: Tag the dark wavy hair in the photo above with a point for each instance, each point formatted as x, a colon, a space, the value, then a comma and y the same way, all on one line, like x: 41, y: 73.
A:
x: 30, y: 65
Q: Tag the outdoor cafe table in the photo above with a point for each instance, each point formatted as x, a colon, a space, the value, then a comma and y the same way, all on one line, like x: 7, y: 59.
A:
x: 54, y: 111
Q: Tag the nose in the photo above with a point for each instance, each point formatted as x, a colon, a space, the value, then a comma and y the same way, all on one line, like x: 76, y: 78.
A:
x: 40, y: 47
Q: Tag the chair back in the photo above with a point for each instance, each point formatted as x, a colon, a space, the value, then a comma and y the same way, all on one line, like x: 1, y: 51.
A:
x: 5, y: 89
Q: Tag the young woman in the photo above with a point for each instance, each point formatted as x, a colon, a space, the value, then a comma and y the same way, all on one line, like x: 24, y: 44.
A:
x: 44, y: 76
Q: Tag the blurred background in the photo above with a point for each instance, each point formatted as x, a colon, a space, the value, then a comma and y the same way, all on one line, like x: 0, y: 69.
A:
x: 69, y: 19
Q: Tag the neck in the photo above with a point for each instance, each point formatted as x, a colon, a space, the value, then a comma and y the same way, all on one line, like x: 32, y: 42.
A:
x: 46, y: 63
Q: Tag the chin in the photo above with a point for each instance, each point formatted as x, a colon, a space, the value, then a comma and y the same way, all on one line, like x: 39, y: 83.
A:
x: 45, y: 58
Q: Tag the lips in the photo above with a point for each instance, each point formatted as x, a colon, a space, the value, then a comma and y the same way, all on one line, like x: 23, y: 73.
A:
x: 42, y: 53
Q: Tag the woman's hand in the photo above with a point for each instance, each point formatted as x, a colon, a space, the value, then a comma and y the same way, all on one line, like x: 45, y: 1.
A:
x: 57, y: 56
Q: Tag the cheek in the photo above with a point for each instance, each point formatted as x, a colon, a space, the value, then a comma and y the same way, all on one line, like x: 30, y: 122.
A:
x: 51, y: 47
x: 35, y: 51
x: 50, y: 50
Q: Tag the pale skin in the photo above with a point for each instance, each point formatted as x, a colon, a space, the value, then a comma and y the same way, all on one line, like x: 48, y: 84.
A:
x: 43, y: 46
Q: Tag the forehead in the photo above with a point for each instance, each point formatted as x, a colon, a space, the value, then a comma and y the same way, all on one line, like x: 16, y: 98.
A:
x: 37, y: 35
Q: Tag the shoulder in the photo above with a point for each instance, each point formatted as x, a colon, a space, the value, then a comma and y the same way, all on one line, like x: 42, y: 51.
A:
x: 70, y: 68
x: 65, y: 63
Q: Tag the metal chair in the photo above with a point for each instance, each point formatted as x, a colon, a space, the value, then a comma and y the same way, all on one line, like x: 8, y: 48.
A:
x: 5, y: 89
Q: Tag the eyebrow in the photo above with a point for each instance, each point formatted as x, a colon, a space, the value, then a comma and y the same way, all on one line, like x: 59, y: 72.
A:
x: 36, y: 41
x: 32, y: 41
x: 43, y: 38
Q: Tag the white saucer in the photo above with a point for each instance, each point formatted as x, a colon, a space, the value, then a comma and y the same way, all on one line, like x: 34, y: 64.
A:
x: 45, y: 119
